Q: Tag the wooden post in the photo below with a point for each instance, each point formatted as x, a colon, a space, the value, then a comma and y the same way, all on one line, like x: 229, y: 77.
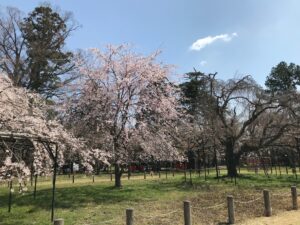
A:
x: 35, y: 181
x: 187, y: 213
x: 58, y: 222
x: 230, y: 206
x: 73, y: 178
x: 54, y: 182
x: 294, y: 197
x: 267, y: 203
x: 295, y: 172
x: 10, y: 196
x: 144, y: 174
x: 129, y: 216
x: 111, y: 177
x: 93, y: 178
x: 279, y: 170
x: 271, y: 168
x: 166, y: 173
x: 159, y: 173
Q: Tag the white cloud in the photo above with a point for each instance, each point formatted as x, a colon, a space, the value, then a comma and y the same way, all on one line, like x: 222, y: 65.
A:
x: 203, y: 63
x: 203, y: 42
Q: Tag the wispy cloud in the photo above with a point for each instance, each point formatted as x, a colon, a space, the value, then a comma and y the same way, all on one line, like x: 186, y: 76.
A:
x: 203, y: 42
x: 203, y: 63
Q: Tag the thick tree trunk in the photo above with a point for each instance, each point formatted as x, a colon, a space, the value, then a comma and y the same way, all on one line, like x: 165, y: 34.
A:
x: 118, y: 175
x: 231, y: 158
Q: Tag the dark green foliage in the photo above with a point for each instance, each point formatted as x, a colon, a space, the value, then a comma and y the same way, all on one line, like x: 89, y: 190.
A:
x: 197, y: 97
x: 45, y: 32
x: 283, y: 77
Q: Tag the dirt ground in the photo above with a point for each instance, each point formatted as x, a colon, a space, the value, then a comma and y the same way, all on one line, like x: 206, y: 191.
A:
x: 285, y: 218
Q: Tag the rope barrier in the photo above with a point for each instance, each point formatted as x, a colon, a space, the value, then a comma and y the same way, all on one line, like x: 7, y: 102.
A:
x: 107, y: 221
x: 209, y: 207
x: 161, y: 215
x: 282, y: 194
x: 247, y: 202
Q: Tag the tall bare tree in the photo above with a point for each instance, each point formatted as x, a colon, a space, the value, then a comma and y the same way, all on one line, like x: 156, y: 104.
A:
x: 12, y: 47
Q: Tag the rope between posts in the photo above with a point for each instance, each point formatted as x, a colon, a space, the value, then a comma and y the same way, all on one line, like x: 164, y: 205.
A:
x: 161, y: 215
x: 107, y: 221
x: 247, y: 202
x: 282, y: 195
x: 210, y: 207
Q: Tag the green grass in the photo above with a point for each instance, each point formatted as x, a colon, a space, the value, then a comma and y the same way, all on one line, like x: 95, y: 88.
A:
x: 85, y: 202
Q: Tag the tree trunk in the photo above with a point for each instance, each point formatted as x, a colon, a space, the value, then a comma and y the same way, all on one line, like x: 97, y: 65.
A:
x: 231, y: 158
x: 118, y: 175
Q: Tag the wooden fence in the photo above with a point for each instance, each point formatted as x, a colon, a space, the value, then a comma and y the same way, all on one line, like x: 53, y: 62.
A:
x: 229, y: 203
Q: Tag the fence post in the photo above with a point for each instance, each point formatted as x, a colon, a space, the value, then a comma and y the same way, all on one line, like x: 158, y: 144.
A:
x: 129, y: 216
x: 144, y: 174
x: 187, y: 213
x: 93, y: 178
x: 230, y: 206
x: 58, y: 221
x: 267, y: 202
x: 294, y: 197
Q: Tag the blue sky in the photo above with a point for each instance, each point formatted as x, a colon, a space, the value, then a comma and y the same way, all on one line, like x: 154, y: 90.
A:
x: 235, y: 37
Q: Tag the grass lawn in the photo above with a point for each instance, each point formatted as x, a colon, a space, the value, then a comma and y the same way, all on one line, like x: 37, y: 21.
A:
x: 155, y: 201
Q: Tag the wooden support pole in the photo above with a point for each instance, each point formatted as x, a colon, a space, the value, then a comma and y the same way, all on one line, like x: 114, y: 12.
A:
x: 279, y: 170
x: 187, y: 213
x: 294, y: 197
x: 230, y: 206
x: 10, y: 195
x: 129, y: 216
x: 267, y: 203
x: 35, y: 181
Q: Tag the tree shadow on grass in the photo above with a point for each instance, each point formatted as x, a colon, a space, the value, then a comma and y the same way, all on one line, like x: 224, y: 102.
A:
x: 74, y: 197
